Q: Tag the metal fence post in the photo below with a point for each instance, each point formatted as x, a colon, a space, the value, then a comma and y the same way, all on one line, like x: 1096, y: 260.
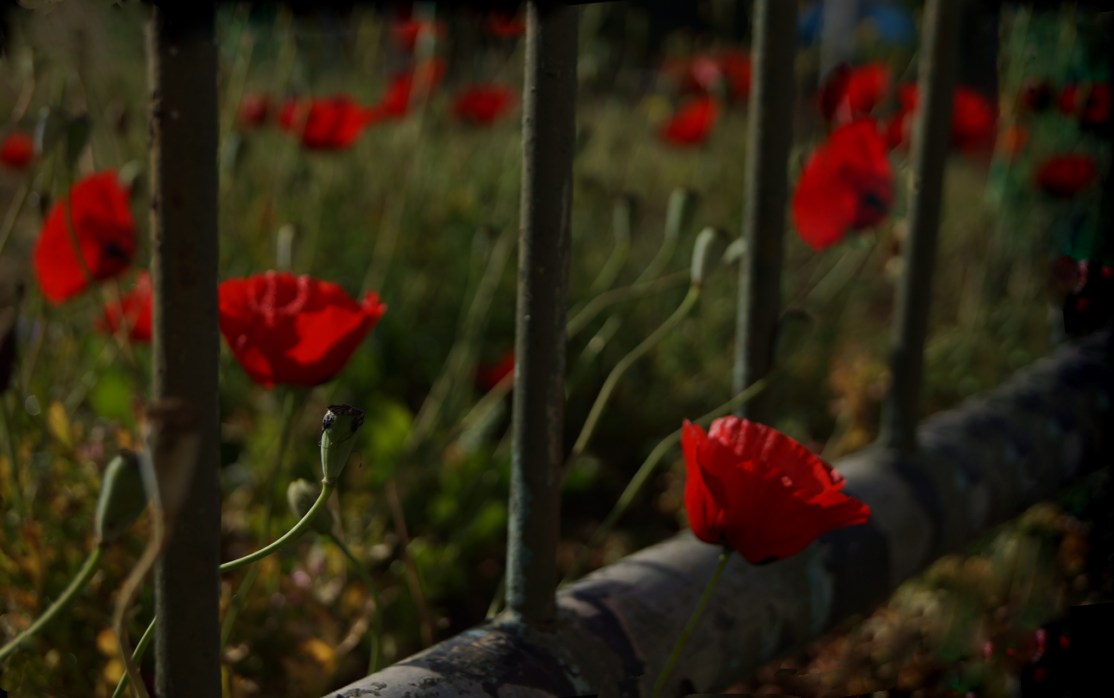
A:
x: 769, y: 135
x: 548, y: 139
x: 182, y: 63
x: 931, y: 136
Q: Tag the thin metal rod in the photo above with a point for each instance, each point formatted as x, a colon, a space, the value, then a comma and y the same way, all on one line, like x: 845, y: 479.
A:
x: 931, y: 137
x: 769, y: 135
x: 548, y: 139
x: 182, y: 63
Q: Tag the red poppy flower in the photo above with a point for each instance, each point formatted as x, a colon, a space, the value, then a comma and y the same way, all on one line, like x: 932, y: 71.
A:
x: 851, y: 93
x: 505, y: 25
x: 332, y: 123
x: 293, y: 330
x: 102, y: 228
x: 483, y: 104
x: 17, y: 151
x: 847, y: 184
x: 406, y: 32
x: 133, y: 312
x: 408, y: 86
x: 760, y: 492
x: 692, y: 123
x: 487, y: 377
x: 1066, y: 175
x: 1090, y: 103
x: 973, y: 119
x: 254, y: 110
x: 737, y: 72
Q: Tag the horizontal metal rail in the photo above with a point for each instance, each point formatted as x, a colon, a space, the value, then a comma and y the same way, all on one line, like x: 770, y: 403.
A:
x: 978, y: 465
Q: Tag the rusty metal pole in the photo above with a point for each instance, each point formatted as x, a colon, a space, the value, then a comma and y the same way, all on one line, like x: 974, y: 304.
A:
x: 769, y: 135
x: 548, y: 139
x: 931, y: 136
x: 182, y: 61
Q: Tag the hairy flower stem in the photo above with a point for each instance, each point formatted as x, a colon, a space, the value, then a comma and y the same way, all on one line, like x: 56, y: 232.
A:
x: 303, y: 525
x: 642, y: 476
x: 690, y: 626
x: 625, y: 363
x: 377, y: 619
x: 60, y: 604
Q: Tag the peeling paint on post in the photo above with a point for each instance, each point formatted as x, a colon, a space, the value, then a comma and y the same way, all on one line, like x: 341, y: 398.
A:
x: 931, y: 136
x: 182, y: 62
x: 548, y: 140
x: 769, y: 135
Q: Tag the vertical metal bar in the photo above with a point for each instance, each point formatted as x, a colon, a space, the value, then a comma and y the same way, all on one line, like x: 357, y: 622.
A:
x: 769, y: 135
x: 548, y: 139
x: 182, y: 64
x: 931, y: 136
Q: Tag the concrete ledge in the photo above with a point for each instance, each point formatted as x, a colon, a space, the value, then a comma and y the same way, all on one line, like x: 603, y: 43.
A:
x: 980, y: 464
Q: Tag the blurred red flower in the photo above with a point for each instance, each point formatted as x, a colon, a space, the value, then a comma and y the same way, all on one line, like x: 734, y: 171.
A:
x: 1066, y: 175
x: 102, y: 228
x: 255, y: 108
x: 17, y: 151
x: 293, y: 330
x: 1090, y: 103
x: 490, y: 375
x: 847, y: 184
x: 331, y: 123
x: 727, y: 74
x: 483, y: 104
x: 737, y: 71
x: 973, y: 119
x: 406, y: 32
x: 408, y: 86
x: 760, y: 492
x: 133, y: 312
x: 852, y: 93
x: 505, y: 25
x: 692, y: 123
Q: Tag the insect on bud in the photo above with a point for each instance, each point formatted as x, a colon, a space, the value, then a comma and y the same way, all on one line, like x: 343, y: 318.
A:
x: 338, y: 438
x: 301, y: 495
x: 122, y: 498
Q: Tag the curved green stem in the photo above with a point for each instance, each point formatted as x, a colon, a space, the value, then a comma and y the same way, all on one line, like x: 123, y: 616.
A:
x: 608, y: 298
x: 377, y: 619
x: 137, y: 654
x: 690, y: 626
x: 642, y: 475
x: 625, y: 363
x: 60, y: 604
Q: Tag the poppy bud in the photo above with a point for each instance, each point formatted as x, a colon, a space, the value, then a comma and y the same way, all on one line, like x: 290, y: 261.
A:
x: 338, y: 437
x: 122, y: 497
x: 300, y: 495
x: 682, y: 203
x: 707, y: 254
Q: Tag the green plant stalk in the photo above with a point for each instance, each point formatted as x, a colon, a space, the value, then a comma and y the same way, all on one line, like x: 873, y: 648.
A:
x: 625, y: 363
x: 18, y: 501
x: 60, y: 604
x: 137, y: 654
x: 376, y: 656
x: 608, y: 298
x: 690, y: 626
x: 303, y: 525
x: 642, y: 475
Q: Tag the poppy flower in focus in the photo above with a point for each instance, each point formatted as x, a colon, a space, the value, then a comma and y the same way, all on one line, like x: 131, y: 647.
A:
x: 847, y: 184
x: 737, y: 72
x: 132, y: 313
x: 505, y: 25
x: 1064, y: 176
x: 760, y: 492
x: 293, y: 330
x: 1036, y: 96
x: 254, y: 110
x: 973, y: 119
x: 1090, y: 103
x: 332, y: 123
x: 408, y: 86
x: 483, y: 104
x: 692, y: 123
x: 102, y: 229
x: 406, y: 32
x: 17, y: 151
x: 851, y: 93
x: 491, y: 375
